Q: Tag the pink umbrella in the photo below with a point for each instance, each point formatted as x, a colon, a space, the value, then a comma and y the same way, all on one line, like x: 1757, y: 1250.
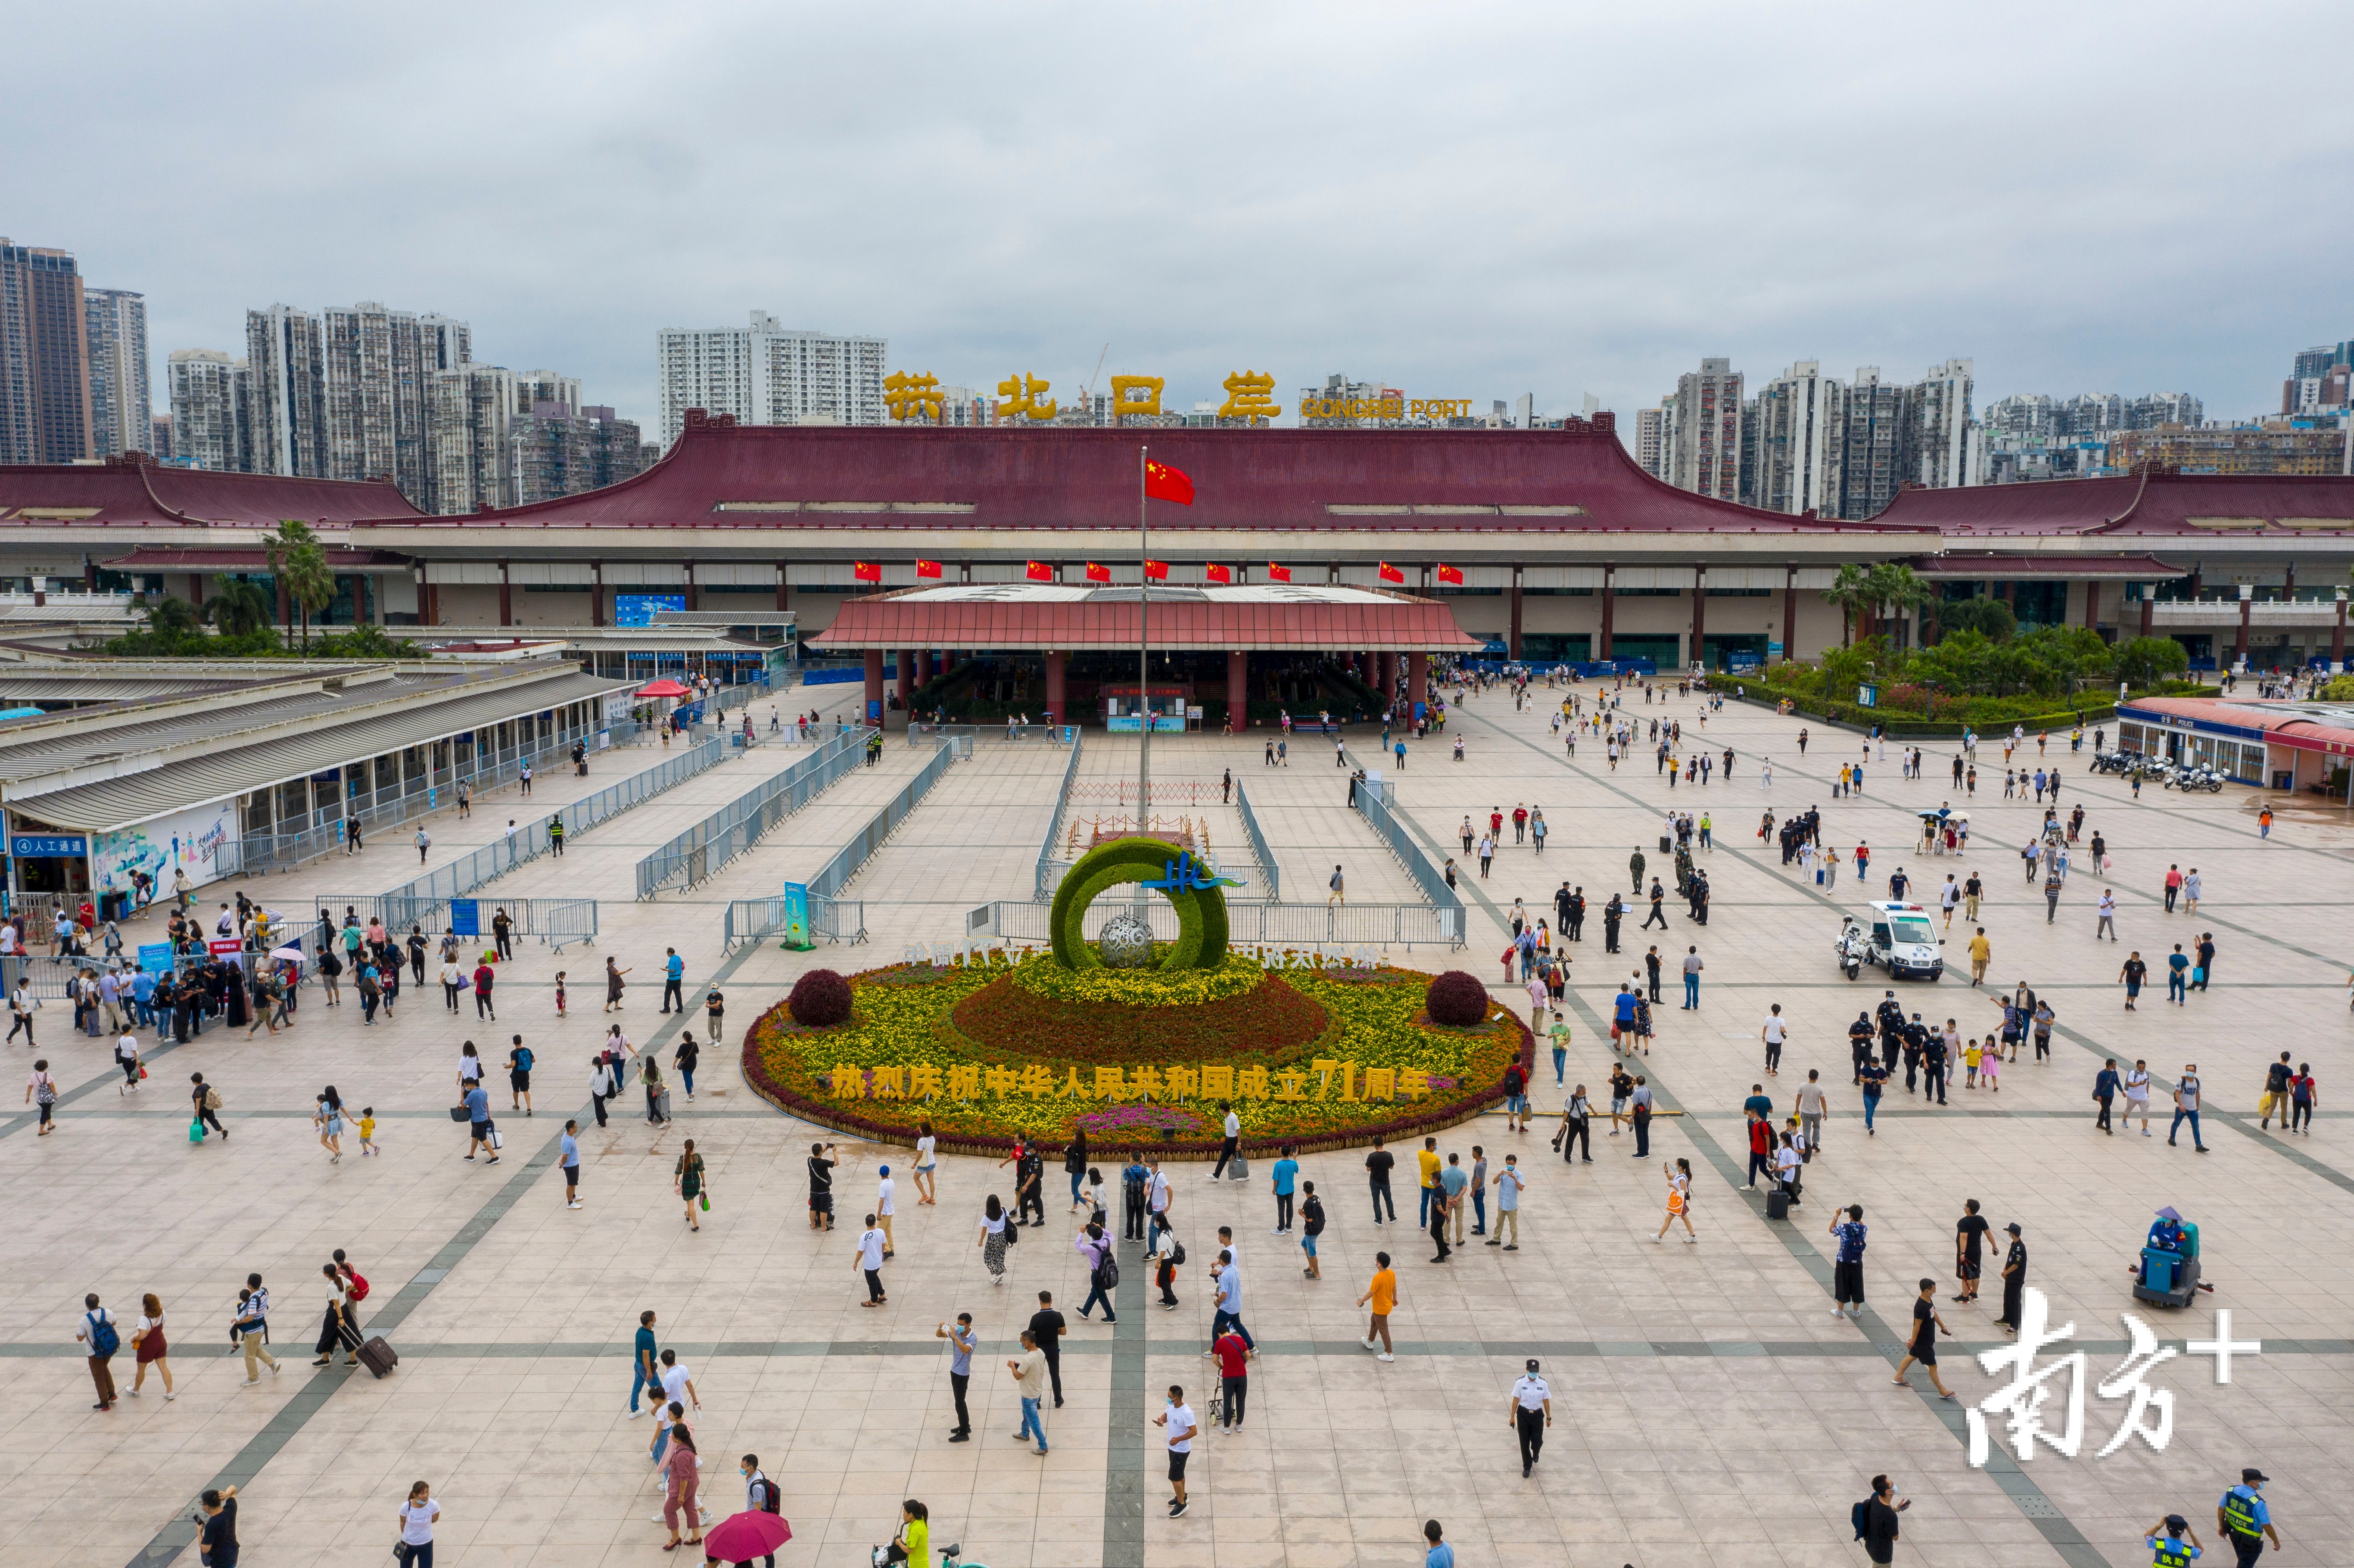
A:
x: 744, y: 1536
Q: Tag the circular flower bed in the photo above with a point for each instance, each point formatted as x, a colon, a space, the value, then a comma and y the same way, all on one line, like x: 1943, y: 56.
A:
x: 1135, y: 1058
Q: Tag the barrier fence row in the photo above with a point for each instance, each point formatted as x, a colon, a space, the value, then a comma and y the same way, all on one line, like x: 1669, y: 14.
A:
x: 1257, y: 838
x: 831, y: 915
x: 555, y: 922
x: 1050, y: 869
x: 1282, y: 924
x: 1372, y: 802
x: 696, y: 855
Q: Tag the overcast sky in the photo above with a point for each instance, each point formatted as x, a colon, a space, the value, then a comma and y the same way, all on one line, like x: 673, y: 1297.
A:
x: 1462, y: 201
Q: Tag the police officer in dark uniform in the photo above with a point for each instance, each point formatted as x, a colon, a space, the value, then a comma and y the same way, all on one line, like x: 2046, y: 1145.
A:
x: 1933, y: 1069
x: 1915, y: 1035
x: 1859, y: 1046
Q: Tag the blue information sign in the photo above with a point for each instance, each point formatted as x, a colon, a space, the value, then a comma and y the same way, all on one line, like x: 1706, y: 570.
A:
x: 794, y: 896
x: 466, y: 917
x: 155, y: 958
x: 35, y: 845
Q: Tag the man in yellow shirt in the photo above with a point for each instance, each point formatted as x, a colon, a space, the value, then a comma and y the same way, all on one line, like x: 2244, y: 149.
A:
x: 1381, y: 1294
x: 1429, y: 1161
x: 1981, y: 950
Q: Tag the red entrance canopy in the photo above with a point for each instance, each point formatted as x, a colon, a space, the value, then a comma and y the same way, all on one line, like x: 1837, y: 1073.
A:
x: 661, y: 689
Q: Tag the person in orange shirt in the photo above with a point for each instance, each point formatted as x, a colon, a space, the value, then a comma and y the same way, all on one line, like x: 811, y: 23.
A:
x: 1382, y: 1295
x: 1679, y: 1199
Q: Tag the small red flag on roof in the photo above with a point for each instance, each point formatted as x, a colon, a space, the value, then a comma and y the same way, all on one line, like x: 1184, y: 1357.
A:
x: 866, y: 571
x: 928, y: 568
x: 1096, y: 574
x: 1162, y: 482
x: 1276, y: 573
x: 1040, y: 572
x: 1390, y: 574
x: 1219, y: 574
x: 1157, y: 570
x: 1447, y: 574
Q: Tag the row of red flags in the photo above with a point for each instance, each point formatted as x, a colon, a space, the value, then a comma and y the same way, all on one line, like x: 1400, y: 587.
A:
x: 1158, y: 571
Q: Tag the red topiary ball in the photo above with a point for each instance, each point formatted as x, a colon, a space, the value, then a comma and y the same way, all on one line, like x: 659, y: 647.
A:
x: 821, y: 999
x: 1454, y: 998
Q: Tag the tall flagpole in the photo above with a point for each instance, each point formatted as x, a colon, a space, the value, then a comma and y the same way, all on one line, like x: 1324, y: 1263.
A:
x: 1144, y: 643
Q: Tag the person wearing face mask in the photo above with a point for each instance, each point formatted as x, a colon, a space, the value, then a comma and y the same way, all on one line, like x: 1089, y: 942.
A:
x: 1178, y: 1417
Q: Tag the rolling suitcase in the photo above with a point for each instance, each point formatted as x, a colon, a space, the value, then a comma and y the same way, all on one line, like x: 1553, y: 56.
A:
x: 662, y: 1105
x: 1777, y: 1206
x: 1666, y: 845
x: 379, y: 1357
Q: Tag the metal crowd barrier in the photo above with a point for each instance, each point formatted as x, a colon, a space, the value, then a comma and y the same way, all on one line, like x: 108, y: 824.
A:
x: 1257, y: 838
x: 698, y: 853
x: 1050, y: 869
x: 1285, y: 925
x: 555, y: 922
x: 1373, y: 802
x: 834, y: 917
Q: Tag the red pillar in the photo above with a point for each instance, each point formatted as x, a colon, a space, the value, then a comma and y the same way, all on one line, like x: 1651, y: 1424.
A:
x: 2091, y: 607
x: 1790, y: 613
x: 2149, y: 598
x: 506, y: 598
x: 1388, y: 670
x: 1238, y: 683
x: 1417, y: 679
x: 781, y: 605
x: 196, y: 589
x: 1609, y: 575
x: 1513, y: 637
x: 906, y: 660
x: 875, y: 686
x: 1055, y: 708
x: 1700, y: 615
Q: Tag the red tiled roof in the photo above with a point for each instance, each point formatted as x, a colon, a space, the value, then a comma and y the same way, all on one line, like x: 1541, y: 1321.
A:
x: 1062, y: 478
x: 2154, y: 501
x: 146, y: 493
x: 911, y: 619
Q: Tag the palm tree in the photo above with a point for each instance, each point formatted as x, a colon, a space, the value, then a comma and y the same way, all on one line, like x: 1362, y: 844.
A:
x: 300, y: 563
x: 1893, y: 589
x: 239, y: 609
x: 1848, y: 593
x: 170, y: 618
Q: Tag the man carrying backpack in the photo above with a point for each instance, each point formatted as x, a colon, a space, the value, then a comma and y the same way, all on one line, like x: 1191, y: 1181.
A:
x: 519, y: 1078
x: 99, y: 1333
x: 1875, y: 1520
x: 762, y: 1495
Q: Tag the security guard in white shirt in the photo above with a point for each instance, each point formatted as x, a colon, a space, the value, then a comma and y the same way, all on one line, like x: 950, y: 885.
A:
x: 1531, y: 1413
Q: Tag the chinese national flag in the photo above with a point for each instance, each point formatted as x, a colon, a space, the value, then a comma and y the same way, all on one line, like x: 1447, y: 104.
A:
x: 1159, y: 570
x: 1040, y: 572
x: 1096, y: 574
x: 866, y: 571
x: 1162, y: 482
x: 1219, y: 574
x: 1276, y: 573
x: 1447, y: 574
x: 1390, y: 574
x: 928, y: 568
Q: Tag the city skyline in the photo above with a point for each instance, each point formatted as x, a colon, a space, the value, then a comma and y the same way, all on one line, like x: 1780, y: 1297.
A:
x: 1557, y: 221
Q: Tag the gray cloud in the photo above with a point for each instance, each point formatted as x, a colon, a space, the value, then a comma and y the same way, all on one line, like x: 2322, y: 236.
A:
x: 1468, y: 201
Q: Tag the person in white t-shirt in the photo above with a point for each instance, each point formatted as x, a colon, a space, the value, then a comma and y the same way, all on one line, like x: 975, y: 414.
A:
x: 870, y: 1262
x: 1775, y: 1033
x: 418, y: 1517
x: 885, y: 1188
x: 926, y: 1160
x: 126, y: 1055
x: 1179, y: 1419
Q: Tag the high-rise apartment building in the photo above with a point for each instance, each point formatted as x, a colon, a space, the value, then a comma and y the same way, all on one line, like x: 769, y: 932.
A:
x: 114, y: 338
x: 768, y: 375
x: 160, y: 444
x: 562, y: 449
x: 1801, y: 442
x: 212, y: 410
x: 1948, y: 445
x: 374, y: 381
x: 1704, y: 455
x: 44, y: 374
x: 469, y: 420
x: 2321, y: 359
x: 289, y: 408
x: 1650, y: 441
x: 1876, y: 422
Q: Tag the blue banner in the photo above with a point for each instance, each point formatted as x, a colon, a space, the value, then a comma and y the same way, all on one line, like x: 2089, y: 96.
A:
x: 36, y: 845
x: 155, y: 958
x: 794, y: 896
x: 466, y: 917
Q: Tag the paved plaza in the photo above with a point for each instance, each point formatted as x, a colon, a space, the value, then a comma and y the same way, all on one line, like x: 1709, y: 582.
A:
x: 1710, y: 1408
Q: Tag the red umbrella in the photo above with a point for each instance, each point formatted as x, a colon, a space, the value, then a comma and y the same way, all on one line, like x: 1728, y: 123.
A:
x: 744, y: 1536
x: 664, y: 688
